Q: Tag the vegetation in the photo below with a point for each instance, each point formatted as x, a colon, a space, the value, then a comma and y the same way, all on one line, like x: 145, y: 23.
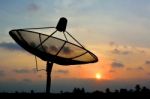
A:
x: 138, y: 91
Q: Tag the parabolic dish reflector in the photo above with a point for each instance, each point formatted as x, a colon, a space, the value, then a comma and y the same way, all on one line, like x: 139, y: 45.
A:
x: 53, y: 49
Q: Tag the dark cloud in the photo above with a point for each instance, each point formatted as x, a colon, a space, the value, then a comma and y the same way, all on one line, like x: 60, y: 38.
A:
x: 147, y: 62
x: 53, y: 48
x: 22, y: 71
x: 129, y: 68
x: 2, y: 73
x: 62, y: 71
x: 140, y: 68
x: 115, y: 51
x: 119, y: 52
x: 112, y: 71
x: 113, y: 44
x: 117, y: 65
x: 10, y: 46
x: 66, y: 50
x: 137, y: 68
x: 33, y: 7
x: 126, y: 52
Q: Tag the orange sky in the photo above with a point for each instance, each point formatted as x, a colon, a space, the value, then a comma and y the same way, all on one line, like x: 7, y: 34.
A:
x: 132, y: 65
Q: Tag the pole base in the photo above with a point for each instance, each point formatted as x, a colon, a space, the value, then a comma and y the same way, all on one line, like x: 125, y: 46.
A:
x: 48, y: 70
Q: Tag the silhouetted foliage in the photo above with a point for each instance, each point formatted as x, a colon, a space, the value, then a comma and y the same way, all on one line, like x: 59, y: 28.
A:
x: 107, y: 90
x: 138, y: 91
x: 78, y: 91
x: 137, y: 88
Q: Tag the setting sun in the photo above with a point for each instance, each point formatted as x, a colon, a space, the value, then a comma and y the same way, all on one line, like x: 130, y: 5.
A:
x: 98, y: 76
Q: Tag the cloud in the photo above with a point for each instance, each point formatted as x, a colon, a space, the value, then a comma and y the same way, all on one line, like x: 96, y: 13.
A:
x: 129, y: 68
x: 117, y: 65
x: 33, y: 7
x: 126, y: 52
x: 112, y: 43
x: 148, y: 73
x: 27, y: 80
x: 117, y: 51
x: 66, y: 50
x: 62, y: 71
x: 10, y: 46
x: 140, y: 68
x: 22, y: 71
x: 136, y: 69
x: 53, y: 48
x: 112, y: 71
x: 73, y: 5
x: 2, y: 73
x: 147, y: 62
x: 142, y: 51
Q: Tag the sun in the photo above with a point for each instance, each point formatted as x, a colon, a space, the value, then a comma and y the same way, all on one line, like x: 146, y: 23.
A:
x: 98, y: 76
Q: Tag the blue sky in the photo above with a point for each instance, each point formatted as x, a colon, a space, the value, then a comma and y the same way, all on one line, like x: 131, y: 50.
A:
x: 117, y: 19
x: 117, y: 31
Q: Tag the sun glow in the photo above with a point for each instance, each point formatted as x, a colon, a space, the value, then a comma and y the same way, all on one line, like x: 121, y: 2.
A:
x: 98, y: 76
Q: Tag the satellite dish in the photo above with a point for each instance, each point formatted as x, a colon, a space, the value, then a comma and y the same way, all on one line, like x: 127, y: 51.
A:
x: 53, y: 49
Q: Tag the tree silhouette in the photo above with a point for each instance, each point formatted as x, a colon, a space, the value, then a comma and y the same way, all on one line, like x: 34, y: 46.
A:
x: 137, y: 88
x: 137, y: 91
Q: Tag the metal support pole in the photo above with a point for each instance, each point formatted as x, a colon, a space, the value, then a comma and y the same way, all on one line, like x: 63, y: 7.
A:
x: 48, y: 70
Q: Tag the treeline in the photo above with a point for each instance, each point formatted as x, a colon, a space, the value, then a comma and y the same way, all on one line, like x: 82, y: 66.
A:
x: 137, y: 91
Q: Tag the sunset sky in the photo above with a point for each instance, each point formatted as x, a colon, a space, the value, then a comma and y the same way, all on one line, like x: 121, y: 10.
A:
x: 117, y: 31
